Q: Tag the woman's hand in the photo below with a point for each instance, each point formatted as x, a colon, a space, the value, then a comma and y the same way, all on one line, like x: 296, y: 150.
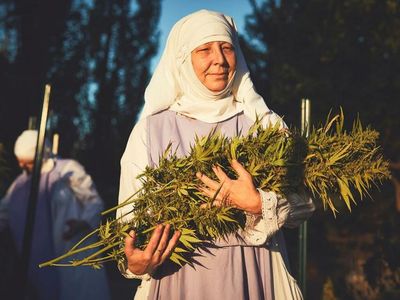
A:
x: 240, y: 193
x: 157, y: 251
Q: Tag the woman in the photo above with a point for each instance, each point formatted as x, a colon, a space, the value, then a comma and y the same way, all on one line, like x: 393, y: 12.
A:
x: 202, y: 83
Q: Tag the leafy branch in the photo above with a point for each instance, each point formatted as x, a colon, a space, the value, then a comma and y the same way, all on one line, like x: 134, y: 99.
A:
x: 332, y: 164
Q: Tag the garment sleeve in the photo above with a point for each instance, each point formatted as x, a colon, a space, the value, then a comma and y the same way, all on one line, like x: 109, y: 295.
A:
x: 133, y: 162
x: 277, y: 211
x: 85, y: 192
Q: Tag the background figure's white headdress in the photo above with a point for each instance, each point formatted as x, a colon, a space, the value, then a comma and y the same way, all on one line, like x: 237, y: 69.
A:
x: 25, y: 146
x: 174, y: 84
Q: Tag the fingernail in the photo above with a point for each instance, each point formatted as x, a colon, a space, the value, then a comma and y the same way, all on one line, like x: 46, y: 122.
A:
x: 198, y: 174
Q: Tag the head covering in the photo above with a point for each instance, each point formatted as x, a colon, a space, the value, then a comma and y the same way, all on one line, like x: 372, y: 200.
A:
x: 174, y: 84
x: 25, y: 146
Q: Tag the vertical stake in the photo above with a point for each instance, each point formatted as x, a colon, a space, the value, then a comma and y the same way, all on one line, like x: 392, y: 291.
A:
x: 34, y: 191
x: 305, y: 131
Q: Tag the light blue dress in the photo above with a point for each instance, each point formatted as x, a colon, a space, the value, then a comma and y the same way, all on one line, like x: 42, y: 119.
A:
x: 228, y: 269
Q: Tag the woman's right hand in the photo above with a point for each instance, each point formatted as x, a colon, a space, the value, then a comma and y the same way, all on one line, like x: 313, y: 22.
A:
x: 156, y: 252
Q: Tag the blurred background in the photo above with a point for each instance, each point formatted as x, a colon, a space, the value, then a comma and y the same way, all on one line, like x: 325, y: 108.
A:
x: 99, y: 55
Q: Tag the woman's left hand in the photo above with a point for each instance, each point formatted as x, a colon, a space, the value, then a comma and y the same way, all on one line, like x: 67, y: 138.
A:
x: 240, y: 193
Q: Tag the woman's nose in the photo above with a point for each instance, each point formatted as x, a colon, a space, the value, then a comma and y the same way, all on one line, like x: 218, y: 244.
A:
x: 219, y: 57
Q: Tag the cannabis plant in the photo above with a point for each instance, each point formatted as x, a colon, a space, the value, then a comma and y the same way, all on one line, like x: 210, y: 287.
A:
x: 331, y: 164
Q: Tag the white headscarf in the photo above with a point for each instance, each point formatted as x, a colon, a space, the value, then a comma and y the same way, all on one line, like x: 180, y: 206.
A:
x: 174, y: 84
x: 25, y: 146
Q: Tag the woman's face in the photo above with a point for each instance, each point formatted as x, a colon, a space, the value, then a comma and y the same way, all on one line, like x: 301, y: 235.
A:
x: 214, y: 64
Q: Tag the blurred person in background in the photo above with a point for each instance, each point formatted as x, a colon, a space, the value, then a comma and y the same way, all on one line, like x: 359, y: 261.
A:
x: 68, y: 207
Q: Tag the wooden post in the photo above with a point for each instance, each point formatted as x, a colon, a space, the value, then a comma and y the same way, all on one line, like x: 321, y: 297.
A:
x: 305, y: 130
x: 34, y: 190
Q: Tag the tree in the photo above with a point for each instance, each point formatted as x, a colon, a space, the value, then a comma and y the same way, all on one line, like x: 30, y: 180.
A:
x: 30, y: 31
x: 336, y: 53
x: 96, y: 55
x: 122, y: 43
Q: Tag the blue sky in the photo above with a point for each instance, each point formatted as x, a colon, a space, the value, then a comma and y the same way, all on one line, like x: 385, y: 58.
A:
x: 173, y: 10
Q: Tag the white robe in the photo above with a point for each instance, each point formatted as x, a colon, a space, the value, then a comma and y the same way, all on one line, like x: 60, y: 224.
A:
x: 73, y: 196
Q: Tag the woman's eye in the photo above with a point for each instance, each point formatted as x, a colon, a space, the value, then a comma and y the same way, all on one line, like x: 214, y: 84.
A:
x: 227, y: 48
x: 203, y: 49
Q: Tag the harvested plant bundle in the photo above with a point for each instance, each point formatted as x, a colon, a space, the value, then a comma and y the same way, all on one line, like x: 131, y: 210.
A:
x: 332, y: 164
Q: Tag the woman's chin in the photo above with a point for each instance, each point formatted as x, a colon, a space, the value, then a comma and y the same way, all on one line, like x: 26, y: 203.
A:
x: 217, y: 86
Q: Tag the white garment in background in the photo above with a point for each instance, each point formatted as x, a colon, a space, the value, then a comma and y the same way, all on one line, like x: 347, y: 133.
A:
x: 73, y: 196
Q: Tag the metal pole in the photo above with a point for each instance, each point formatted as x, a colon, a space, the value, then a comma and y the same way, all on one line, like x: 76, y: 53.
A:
x: 34, y: 189
x: 305, y: 130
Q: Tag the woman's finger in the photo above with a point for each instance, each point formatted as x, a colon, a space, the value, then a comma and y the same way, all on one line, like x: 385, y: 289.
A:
x: 154, y: 240
x: 218, y: 194
x: 163, y: 242
x: 207, y: 181
x: 216, y: 203
x: 220, y: 174
x: 240, y: 170
x: 171, y: 246
x: 130, y: 243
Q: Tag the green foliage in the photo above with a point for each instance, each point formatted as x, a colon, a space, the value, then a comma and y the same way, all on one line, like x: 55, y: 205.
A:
x: 334, y: 165
x: 336, y: 53
x: 339, y: 162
